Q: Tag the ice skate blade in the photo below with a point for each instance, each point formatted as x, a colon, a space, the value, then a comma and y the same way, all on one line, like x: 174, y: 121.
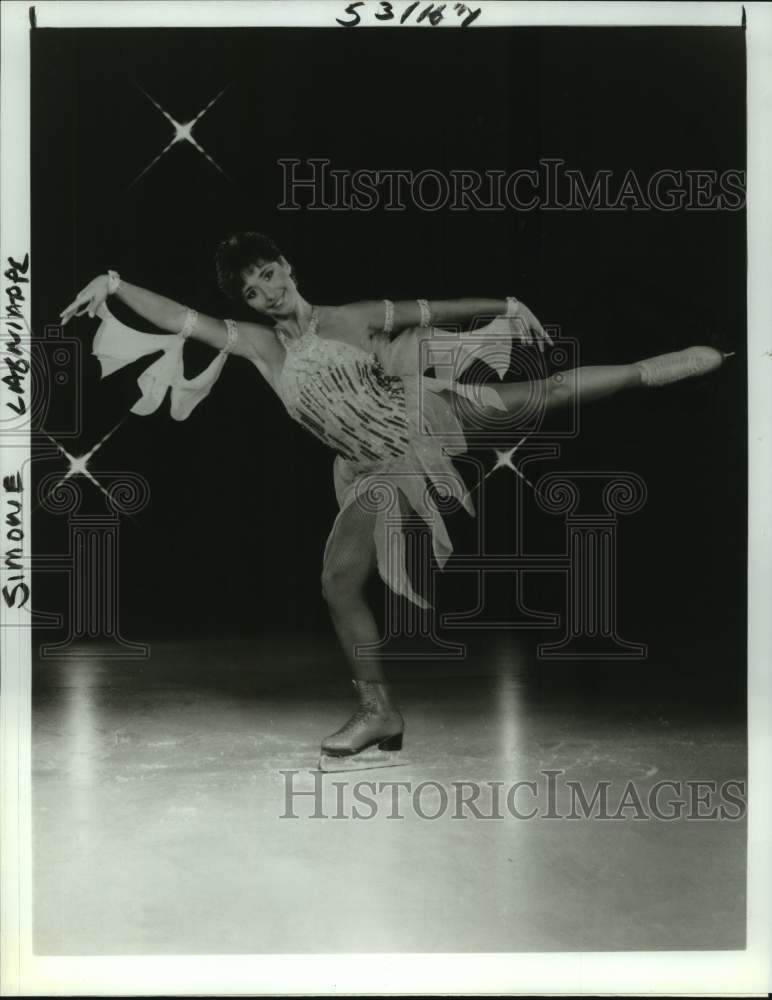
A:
x: 365, y: 760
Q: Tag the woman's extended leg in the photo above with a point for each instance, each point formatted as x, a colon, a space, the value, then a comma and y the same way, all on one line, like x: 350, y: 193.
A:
x: 582, y: 385
x: 349, y: 559
x: 542, y: 396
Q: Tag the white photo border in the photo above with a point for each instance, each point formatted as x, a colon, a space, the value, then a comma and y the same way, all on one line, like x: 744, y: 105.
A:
x: 716, y: 973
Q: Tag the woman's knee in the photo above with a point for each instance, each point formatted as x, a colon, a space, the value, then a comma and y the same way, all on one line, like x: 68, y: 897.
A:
x: 559, y: 388
x: 341, y: 584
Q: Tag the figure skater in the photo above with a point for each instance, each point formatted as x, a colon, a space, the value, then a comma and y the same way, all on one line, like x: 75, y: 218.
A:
x: 353, y: 376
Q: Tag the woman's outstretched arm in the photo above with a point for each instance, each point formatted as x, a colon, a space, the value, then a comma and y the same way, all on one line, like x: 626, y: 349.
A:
x: 452, y: 313
x: 255, y: 342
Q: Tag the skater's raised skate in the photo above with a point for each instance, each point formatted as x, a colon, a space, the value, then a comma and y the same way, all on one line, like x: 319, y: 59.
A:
x: 664, y: 369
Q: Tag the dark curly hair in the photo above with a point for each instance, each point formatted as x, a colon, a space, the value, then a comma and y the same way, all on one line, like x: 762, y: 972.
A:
x: 238, y: 254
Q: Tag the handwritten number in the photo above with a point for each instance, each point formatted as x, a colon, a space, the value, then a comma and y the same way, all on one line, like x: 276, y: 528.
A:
x: 433, y: 13
x: 473, y: 14
x: 435, y: 16
x: 352, y: 10
x: 408, y: 12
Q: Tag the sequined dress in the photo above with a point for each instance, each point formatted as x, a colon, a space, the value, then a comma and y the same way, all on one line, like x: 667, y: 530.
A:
x: 392, y: 429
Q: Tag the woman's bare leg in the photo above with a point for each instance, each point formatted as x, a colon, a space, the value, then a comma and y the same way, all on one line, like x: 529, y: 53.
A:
x: 539, y: 397
x: 349, y: 559
x: 583, y: 385
x: 577, y: 385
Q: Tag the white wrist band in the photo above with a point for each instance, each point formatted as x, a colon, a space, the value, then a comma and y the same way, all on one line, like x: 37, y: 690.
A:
x: 426, y: 313
x: 191, y: 318
x: 512, y: 307
x: 233, y: 336
x: 113, y: 281
x: 388, y: 321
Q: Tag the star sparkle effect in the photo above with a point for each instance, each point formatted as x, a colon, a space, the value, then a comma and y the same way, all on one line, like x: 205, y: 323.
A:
x: 504, y: 460
x: 79, y: 463
x: 183, y: 132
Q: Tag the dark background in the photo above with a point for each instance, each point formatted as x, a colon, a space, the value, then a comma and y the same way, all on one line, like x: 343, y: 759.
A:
x: 242, y: 498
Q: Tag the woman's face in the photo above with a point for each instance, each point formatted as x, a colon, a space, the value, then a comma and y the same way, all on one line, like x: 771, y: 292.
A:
x: 268, y: 288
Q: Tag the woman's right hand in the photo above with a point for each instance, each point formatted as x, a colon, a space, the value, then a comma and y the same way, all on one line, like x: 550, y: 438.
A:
x: 88, y: 300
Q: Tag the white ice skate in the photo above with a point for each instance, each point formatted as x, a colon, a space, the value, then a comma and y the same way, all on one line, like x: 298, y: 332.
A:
x: 690, y: 363
x: 371, y: 738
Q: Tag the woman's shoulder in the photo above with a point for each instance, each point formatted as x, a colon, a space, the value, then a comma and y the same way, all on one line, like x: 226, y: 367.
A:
x: 364, y: 318
x: 261, y: 338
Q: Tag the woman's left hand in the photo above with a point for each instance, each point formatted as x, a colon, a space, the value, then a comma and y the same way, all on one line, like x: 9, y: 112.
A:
x: 526, y: 326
